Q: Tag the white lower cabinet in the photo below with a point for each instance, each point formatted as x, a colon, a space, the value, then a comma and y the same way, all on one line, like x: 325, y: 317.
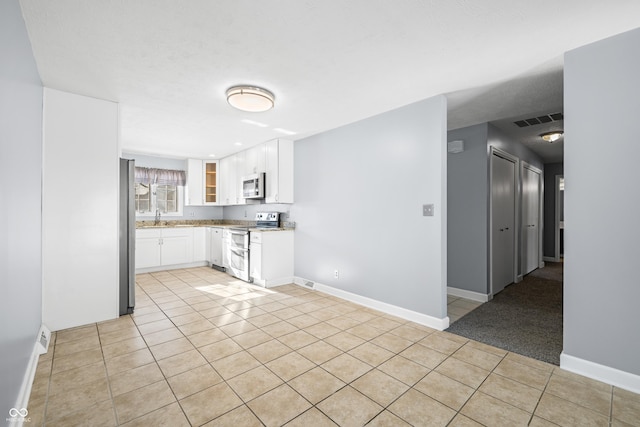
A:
x: 200, y: 244
x: 271, y: 257
x: 176, y: 246
x: 163, y: 247
x: 147, y: 248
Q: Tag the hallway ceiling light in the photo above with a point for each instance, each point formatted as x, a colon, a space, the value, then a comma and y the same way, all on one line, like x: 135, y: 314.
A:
x: 250, y: 98
x: 552, y: 136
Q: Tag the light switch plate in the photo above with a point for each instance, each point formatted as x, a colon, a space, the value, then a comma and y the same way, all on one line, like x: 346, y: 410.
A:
x: 427, y: 210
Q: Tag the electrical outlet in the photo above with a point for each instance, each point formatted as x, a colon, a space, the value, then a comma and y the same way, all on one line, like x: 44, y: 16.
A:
x: 427, y: 210
x: 336, y: 274
x: 192, y: 214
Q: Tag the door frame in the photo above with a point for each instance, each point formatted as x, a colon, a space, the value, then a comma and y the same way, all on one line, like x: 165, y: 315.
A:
x: 524, y: 165
x: 557, y: 217
x: 509, y: 157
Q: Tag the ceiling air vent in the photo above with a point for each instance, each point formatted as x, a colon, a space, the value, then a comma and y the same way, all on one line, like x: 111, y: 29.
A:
x: 539, y: 120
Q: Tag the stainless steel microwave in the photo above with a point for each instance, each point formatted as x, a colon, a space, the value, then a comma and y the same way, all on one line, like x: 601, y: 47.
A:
x: 253, y: 186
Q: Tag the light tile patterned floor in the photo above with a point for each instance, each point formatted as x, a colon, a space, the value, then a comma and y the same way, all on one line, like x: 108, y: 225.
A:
x: 205, y: 349
x: 458, y: 307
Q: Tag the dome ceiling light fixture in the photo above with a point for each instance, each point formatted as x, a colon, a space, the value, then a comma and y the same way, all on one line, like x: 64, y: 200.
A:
x: 552, y: 136
x: 250, y: 98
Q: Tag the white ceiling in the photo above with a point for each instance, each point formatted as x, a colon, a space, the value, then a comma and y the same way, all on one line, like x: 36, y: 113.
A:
x: 328, y: 62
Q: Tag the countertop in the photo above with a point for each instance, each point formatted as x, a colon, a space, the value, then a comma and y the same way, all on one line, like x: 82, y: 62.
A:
x: 210, y: 223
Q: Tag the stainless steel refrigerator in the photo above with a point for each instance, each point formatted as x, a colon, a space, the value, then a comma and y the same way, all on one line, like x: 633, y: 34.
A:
x: 127, y: 237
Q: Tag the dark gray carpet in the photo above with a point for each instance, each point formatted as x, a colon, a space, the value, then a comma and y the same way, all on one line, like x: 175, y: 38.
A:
x: 525, y: 318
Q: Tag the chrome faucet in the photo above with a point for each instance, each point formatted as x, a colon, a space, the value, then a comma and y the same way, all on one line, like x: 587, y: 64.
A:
x: 157, y: 220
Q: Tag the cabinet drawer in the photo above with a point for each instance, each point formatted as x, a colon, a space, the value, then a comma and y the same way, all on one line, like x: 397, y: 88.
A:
x: 255, y: 237
x: 148, y: 233
x: 177, y: 232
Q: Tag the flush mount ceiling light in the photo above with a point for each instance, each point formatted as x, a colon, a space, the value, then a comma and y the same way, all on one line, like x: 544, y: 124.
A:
x: 552, y: 136
x: 250, y: 98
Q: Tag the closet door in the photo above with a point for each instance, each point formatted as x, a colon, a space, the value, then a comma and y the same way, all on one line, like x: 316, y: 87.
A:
x: 531, y: 191
x: 503, y: 220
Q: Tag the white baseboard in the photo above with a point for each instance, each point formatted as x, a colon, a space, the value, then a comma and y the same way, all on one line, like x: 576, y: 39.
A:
x: 171, y: 267
x: 599, y: 372
x: 22, y: 402
x: 273, y: 282
x: 463, y: 293
x: 403, y: 313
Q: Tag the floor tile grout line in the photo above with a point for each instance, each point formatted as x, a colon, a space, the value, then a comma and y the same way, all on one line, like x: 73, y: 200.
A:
x: 544, y: 390
x: 106, y: 373
x: 343, y: 352
x: 611, y: 407
x: 324, y: 305
x: 165, y: 378
x: 286, y: 382
x: 477, y: 389
x: 224, y: 380
x: 154, y: 361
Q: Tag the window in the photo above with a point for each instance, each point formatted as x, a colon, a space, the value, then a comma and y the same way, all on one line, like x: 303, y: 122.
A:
x: 159, y: 190
x: 143, y: 198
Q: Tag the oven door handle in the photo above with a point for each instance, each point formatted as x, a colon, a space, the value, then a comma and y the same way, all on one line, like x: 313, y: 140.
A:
x: 239, y: 251
x: 236, y: 231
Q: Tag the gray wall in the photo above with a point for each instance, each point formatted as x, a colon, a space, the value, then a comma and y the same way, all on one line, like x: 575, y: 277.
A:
x: 20, y: 206
x: 468, y: 198
x: 467, y: 190
x: 189, y: 212
x: 551, y: 170
x: 248, y: 212
x: 500, y: 140
x: 359, y: 195
x: 602, y: 239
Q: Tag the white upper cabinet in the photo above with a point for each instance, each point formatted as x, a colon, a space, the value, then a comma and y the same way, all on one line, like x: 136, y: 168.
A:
x: 274, y: 158
x: 241, y: 165
x: 202, y: 183
x: 279, y: 171
x: 194, y: 196
x: 211, y: 182
x: 254, y: 160
x: 232, y: 168
x: 227, y: 180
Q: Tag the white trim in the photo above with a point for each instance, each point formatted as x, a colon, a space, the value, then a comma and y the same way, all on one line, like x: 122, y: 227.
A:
x: 557, y: 218
x: 273, y: 282
x: 25, y: 389
x: 615, y: 377
x: 172, y: 267
x: 463, y: 293
x: 413, y: 316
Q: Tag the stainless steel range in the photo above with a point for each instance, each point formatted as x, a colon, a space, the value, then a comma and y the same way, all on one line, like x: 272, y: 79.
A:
x: 237, y: 239
x: 238, y: 252
x: 267, y: 219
